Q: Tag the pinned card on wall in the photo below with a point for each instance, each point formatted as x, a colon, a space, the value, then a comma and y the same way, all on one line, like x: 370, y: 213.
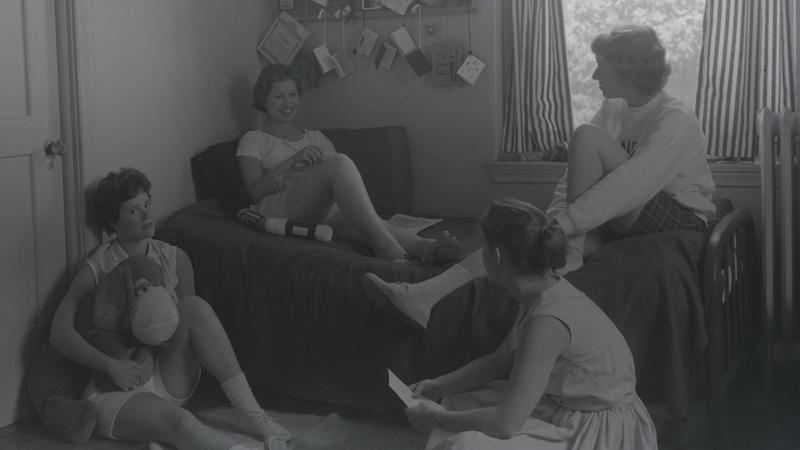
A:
x: 385, y: 56
x: 342, y: 63
x: 471, y: 69
x: 447, y: 57
x: 403, y: 40
x: 324, y: 58
x: 366, y: 43
x: 419, y: 62
x: 283, y: 39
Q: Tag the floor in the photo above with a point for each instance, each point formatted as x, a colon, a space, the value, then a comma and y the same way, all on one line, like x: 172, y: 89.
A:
x: 754, y: 421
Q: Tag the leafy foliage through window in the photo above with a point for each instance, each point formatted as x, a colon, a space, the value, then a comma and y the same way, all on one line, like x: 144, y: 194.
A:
x: 679, y: 24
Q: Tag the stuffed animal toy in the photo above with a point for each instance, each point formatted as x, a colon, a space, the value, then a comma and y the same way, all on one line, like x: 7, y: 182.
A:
x: 132, y: 308
x: 129, y: 308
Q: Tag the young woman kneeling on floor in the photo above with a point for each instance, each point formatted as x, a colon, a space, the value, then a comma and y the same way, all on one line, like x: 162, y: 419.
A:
x: 564, y: 377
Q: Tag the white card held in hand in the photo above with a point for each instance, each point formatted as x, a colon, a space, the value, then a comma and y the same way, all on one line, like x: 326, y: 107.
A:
x: 402, y: 390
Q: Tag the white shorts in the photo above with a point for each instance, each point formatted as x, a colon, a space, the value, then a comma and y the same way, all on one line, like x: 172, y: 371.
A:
x: 108, y: 404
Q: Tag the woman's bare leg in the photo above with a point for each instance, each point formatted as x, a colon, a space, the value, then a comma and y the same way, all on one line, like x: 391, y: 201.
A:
x: 200, y: 340
x: 146, y: 417
x: 337, y: 180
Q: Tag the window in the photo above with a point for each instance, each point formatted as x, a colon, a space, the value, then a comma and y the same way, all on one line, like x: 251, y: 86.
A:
x: 679, y: 24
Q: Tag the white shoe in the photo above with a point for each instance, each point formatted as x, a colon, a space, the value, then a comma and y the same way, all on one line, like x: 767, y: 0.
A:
x: 261, y: 424
x: 397, y: 295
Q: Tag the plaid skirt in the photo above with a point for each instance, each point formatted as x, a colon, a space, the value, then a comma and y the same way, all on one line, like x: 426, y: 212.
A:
x: 664, y: 213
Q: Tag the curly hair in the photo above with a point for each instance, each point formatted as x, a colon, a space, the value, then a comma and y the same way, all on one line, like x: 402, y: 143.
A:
x: 521, y: 230
x: 270, y: 75
x: 115, y: 189
x: 637, y: 56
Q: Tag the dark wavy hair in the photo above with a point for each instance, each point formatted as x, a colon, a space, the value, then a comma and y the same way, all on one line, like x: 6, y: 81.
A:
x: 521, y: 231
x: 270, y: 75
x: 637, y: 56
x: 115, y: 189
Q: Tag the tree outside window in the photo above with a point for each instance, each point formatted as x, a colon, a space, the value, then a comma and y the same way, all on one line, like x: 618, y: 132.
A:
x: 679, y: 24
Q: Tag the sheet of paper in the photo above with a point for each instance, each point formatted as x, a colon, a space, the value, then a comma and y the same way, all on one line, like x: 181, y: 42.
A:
x: 403, y: 40
x: 283, y: 39
x: 416, y: 224
x: 367, y: 42
x: 471, y: 69
x: 385, y: 56
x: 402, y: 390
x: 324, y: 59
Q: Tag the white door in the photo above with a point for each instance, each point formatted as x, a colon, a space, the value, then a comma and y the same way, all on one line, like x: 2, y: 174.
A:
x: 32, y: 246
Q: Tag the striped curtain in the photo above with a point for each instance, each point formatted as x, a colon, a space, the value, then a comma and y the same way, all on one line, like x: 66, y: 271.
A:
x: 537, y: 111
x: 745, y: 64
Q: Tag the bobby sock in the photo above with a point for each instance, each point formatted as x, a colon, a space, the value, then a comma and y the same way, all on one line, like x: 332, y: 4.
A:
x: 238, y: 392
x: 251, y: 418
x: 428, y: 293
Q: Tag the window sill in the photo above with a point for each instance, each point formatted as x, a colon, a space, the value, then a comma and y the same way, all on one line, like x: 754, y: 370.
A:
x: 737, y: 174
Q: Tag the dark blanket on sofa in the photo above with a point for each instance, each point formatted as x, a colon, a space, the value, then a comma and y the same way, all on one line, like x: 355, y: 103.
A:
x: 302, y: 324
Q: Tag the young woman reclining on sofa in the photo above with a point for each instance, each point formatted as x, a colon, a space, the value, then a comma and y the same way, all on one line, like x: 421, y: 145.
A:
x: 639, y: 167
x: 290, y: 172
x: 146, y: 404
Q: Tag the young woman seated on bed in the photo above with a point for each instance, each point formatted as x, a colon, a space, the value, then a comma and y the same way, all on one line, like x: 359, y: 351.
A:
x: 295, y: 173
x: 638, y: 167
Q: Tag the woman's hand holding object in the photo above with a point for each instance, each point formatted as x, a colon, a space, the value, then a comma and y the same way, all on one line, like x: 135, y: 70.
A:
x: 127, y: 374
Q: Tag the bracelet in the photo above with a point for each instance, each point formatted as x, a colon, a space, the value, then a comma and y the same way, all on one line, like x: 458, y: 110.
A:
x: 437, y: 420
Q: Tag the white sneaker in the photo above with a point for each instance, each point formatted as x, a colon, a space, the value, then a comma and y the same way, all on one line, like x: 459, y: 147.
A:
x: 261, y: 424
x: 396, y: 297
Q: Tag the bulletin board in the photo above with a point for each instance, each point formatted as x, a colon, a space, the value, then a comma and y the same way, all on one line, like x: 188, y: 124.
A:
x: 309, y: 10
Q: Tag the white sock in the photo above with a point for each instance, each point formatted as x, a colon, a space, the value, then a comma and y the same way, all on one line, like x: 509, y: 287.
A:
x: 415, y: 301
x: 428, y: 292
x: 238, y: 392
x: 251, y: 418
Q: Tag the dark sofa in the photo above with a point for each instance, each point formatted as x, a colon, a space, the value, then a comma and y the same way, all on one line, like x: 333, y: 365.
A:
x: 302, y: 324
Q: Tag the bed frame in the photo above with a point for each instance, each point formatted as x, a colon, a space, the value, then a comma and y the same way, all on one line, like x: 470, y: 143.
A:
x: 733, y: 311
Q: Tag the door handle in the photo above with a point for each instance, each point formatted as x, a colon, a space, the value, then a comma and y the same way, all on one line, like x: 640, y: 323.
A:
x: 54, y: 148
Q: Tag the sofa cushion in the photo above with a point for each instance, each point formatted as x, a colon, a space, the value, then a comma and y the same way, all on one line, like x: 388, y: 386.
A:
x: 380, y: 153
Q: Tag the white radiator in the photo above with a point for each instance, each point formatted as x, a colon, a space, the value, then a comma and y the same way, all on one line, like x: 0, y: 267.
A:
x: 779, y: 149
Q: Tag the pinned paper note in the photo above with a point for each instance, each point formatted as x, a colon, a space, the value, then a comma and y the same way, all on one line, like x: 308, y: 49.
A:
x: 402, y: 390
x: 403, y: 40
x: 366, y: 43
x: 342, y: 63
x: 283, y: 39
x: 419, y: 62
x: 324, y: 58
x: 385, y: 56
x: 471, y: 69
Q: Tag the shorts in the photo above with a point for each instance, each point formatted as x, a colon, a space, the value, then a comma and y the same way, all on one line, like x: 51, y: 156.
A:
x: 664, y: 213
x: 275, y: 205
x: 108, y: 404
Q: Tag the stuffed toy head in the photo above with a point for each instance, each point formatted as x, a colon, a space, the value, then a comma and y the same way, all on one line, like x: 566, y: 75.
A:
x: 132, y: 298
